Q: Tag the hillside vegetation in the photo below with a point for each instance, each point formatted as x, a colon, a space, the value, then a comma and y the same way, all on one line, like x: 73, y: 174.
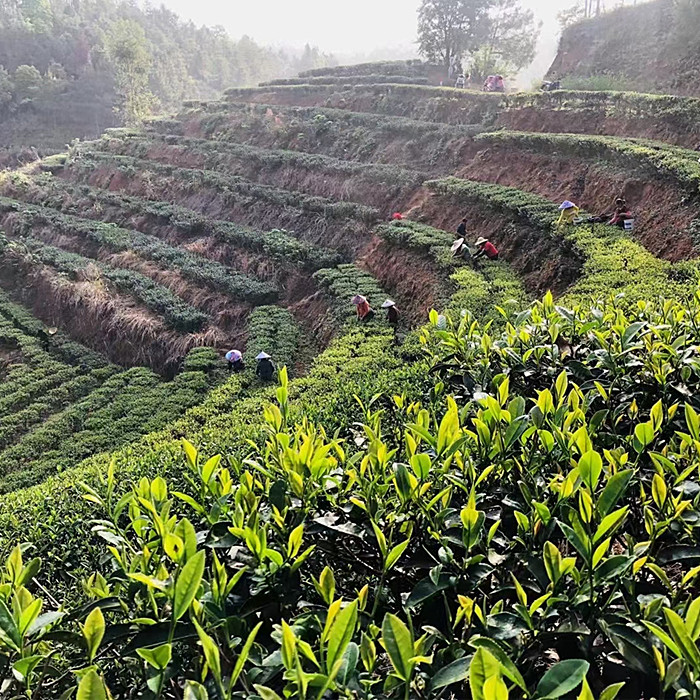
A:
x: 650, y: 47
x: 69, y: 70
x: 495, y: 498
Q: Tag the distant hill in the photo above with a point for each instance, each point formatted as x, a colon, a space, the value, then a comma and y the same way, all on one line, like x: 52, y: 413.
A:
x: 652, y: 47
x: 69, y: 67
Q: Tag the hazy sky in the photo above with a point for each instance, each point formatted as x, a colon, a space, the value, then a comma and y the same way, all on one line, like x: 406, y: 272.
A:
x: 349, y: 26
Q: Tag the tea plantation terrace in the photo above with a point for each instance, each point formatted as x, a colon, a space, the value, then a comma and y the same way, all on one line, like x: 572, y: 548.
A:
x: 497, y: 499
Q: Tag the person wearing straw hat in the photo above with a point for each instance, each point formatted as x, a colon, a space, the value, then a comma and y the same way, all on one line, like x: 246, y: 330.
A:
x: 266, y: 367
x: 364, y: 310
x: 569, y: 212
x: 460, y: 249
x: 392, y: 313
x: 235, y: 361
x: 485, y: 248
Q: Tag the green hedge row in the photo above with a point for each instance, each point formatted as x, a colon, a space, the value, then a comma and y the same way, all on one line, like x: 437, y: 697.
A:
x: 153, y: 296
x: 60, y: 345
x: 273, y: 330
x: 370, y: 79
x: 223, y: 155
x: 342, y: 283
x: 194, y: 267
x: 126, y: 406
x: 679, y: 164
x: 165, y: 179
x: 276, y: 244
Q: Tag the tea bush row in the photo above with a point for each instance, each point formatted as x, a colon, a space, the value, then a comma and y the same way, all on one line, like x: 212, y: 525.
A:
x: 127, y: 405
x: 342, y: 283
x: 58, y: 344
x: 524, y: 525
x: 612, y: 260
x: 226, y: 155
x: 274, y: 330
x: 194, y: 267
x: 164, y: 180
x: 275, y: 244
x: 372, y: 79
x: 679, y: 164
x: 152, y: 295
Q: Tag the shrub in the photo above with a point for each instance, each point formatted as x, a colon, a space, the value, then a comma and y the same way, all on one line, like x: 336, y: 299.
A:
x: 516, y: 508
x: 342, y: 283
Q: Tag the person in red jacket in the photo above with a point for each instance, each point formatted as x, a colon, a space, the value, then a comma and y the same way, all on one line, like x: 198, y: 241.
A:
x: 485, y: 248
x: 364, y: 310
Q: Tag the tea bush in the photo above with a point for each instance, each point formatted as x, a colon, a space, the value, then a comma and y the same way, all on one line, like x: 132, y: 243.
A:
x: 678, y: 164
x: 153, y: 215
x: 525, y: 527
x: 258, y: 163
x: 612, y: 260
x: 342, y: 283
x: 273, y: 330
x: 371, y: 79
x: 164, y: 180
x: 123, y: 406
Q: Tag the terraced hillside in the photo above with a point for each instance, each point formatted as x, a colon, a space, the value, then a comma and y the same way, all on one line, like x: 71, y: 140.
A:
x: 502, y: 502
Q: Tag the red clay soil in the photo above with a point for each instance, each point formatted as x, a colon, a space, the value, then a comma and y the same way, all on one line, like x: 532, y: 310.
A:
x: 110, y: 323
x: 416, y: 285
x: 663, y: 215
x: 543, y: 262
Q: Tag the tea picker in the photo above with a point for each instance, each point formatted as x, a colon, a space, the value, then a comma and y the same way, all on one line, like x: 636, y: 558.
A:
x: 364, y: 310
x: 266, y: 367
x: 392, y: 313
x: 235, y: 361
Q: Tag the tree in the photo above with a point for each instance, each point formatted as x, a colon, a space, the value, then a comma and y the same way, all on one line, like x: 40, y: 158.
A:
x: 511, y: 38
x: 27, y: 80
x: 449, y: 28
x: 500, y: 35
x: 128, y: 49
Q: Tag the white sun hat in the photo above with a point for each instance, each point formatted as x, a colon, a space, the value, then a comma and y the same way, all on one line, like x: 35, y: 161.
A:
x: 566, y: 204
x: 263, y: 356
x: 358, y: 299
x: 481, y: 240
x: 388, y: 304
x: 234, y: 355
x: 457, y: 245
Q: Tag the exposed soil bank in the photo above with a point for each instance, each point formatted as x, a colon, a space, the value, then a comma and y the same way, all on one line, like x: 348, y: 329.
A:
x: 663, y: 208
x: 90, y: 313
x: 416, y: 285
x: 565, y: 112
x: 348, y: 235
x: 663, y: 214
